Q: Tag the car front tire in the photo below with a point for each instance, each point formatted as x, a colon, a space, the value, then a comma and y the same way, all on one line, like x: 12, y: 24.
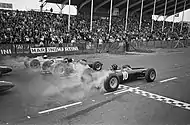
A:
x: 111, y: 83
x: 150, y: 75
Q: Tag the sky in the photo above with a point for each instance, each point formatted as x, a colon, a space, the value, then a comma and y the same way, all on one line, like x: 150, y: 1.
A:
x: 35, y: 4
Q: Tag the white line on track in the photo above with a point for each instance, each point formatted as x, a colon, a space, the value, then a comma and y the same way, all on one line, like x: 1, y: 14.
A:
x: 58, y: 108
x: 157, y: 97
x: 170, y: 79
x: 121, y: 87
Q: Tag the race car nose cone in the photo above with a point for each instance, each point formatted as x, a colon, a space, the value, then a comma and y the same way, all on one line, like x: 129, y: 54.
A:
x: 9, y: 69
x: 5, y: 69
x: 4, y: 86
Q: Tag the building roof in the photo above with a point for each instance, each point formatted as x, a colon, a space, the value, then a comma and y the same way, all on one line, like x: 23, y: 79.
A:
x: 134, y: 5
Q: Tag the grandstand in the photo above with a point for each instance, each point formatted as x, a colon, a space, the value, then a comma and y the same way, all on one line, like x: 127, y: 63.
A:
x: 134, y: 6
x: 51, y: 29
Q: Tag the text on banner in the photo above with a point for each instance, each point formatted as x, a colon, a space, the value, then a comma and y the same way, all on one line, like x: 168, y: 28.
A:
x: 38, y: 50
x: 55, y: 49
x: 6, y: 51
x: 71, y: 48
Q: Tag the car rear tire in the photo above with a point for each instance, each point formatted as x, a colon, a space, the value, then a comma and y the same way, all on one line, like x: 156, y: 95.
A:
x: 35, y: 64
x: 111, y: 83
x: 97, y: 66
x: 150, y: 75
x: 60, y: 69
x: 46, y: 65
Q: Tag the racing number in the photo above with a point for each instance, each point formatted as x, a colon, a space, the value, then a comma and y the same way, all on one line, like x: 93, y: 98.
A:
x: 125, y: 75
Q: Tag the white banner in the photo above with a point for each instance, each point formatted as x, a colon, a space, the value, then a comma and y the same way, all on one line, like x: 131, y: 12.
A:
x: 71, y: 48
x: 55, y: 49
x: 38, y: 50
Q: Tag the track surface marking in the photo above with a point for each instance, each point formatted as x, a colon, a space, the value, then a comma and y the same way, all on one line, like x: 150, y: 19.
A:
x: 166, y: 80
x: 157, y: 97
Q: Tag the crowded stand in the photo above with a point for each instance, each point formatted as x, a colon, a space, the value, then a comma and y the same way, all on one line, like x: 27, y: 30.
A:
x: 51, y: 29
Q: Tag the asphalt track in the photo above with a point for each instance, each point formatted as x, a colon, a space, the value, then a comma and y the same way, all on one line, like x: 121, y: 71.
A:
x: 134, y: 104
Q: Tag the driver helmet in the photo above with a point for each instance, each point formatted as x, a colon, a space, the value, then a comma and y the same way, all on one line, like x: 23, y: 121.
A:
x: 114, y: 67
x: 70, y: 60
x: 66, y: 60
x: 45, y: 56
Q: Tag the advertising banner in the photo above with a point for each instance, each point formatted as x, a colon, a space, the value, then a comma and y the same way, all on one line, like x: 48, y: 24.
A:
x: 19, y: 48
x: 38, y: 50
x: 5, y: 49
x: 55, y: 49
x: 71, y: 48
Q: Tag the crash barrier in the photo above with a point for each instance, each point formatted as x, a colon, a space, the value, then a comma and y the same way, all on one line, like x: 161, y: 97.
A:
x: 33, y: 50
x: 160, y: 44
x: 87, y: 48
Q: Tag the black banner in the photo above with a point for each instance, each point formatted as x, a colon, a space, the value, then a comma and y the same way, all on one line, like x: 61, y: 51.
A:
x: 6, y: 5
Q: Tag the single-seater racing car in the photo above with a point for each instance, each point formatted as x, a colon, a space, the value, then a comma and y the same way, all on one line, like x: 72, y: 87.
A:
x: 5, y: 70
x: 126, y: 73
x: 5, y: 86
x: 56, y: 65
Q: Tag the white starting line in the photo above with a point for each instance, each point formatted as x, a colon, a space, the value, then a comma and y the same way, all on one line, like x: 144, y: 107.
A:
x: 170, y: 79
x: 58, y: 108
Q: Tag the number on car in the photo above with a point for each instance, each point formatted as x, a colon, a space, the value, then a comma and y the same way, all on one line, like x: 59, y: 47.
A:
x: 125, y: 75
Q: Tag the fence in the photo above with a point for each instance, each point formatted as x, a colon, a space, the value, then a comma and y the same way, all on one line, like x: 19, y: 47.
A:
x: 86, y: 48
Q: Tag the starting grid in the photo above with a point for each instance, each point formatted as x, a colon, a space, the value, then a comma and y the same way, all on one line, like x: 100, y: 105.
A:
x: 156, y: 97
x: 124, y: 89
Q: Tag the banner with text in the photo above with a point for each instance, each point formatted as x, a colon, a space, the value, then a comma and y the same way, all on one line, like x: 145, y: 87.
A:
x: 6, y: 49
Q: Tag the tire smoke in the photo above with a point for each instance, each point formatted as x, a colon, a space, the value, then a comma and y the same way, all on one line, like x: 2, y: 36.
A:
x: 74, y: 85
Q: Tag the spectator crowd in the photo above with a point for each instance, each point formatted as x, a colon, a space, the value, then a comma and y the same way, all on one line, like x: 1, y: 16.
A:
x: 52, y: 29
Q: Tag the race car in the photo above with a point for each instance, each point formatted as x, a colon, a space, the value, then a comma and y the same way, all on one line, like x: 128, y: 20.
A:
x: 125, y: 74
x: 5, y: 70
x: 5, y: 86
x: 36, y: 63
x: 56, y: 65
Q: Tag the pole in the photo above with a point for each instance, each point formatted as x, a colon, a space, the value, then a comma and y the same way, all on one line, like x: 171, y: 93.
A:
x: 174, y: 15
x: 111, y: 5
x: 69, y: 19
x: 183, y: 16
x: 165, y: 9
x: 140, y: 24
x: 91, y: 18
x: 127, y: 13
x: 152, y: 27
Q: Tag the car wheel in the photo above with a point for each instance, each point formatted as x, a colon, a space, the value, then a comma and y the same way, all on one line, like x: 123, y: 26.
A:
x: 150, y: 75
x: 59, y: 69
x: 111, y: 83
x: 97, y: 66
x: 46, y: 65
x: 35, y: 64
